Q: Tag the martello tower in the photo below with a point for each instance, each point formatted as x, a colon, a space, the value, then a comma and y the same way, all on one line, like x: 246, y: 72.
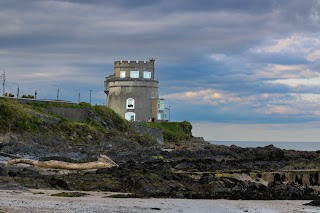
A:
x: 132, y: 90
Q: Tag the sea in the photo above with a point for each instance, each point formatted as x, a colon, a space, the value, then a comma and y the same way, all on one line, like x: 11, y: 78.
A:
x: 301, y: 146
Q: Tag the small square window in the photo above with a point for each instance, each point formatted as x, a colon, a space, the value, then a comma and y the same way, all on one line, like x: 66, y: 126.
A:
x: 134, y: 74
x: 122, y: 74
x: 147, y: 74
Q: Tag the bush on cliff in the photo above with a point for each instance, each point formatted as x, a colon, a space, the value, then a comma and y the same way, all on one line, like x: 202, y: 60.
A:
x: 17, y: 117
x: 173, y: 131
x: 40, y: 105
x: 29, y: 117
x: 110, y: 117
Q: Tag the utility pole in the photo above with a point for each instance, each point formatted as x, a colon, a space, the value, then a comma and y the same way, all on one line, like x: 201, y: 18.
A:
x: 90, y: 95
x: 17, y: 89
x: 3, y: 76
x: 78, y: 93
x: 169, y: 112
x: 57, y: 91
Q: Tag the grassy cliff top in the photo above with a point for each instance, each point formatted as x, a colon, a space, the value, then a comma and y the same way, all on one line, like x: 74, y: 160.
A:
x: 173, y: 131
x: 101, y: 122
x: 16, y: 116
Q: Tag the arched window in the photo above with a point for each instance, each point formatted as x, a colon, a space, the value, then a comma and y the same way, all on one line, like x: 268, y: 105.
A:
x: 130, y: 103
x: 130, y: 116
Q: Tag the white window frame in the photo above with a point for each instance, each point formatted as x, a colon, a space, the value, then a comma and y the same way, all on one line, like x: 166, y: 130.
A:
x: 162, y: 115
x: 123, y: 74
x: 130, y: 116
x: 147, y: 74
x: 134, y: 74
x: 130, y: 101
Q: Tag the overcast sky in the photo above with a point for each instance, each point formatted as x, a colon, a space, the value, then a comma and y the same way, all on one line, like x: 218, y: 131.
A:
x: 238, y: 70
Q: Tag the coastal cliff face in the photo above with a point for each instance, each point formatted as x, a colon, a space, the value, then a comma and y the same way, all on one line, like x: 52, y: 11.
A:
x: 181, y: 167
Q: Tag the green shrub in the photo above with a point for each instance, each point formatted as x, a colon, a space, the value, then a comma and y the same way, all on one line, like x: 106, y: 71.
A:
x: 157, y: 157
x: 28, y: 96
x: 36, y: 104
x: 173, y: 131
x: 18, y: 117
x: 111, y: 117
x: 9, y: 95
x: 15, y: 116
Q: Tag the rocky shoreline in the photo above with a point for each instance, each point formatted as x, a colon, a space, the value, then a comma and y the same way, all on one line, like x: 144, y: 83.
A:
x: 195, y: 172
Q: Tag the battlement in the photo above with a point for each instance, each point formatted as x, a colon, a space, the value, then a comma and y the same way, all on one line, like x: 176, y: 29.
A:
x: 149, y: 63
x: 131, y: 62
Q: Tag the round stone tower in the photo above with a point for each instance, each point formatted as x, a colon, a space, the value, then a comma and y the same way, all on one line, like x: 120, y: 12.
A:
x: 132, y: 90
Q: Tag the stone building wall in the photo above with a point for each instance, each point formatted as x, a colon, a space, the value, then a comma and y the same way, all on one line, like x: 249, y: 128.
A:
x: 141, y: 91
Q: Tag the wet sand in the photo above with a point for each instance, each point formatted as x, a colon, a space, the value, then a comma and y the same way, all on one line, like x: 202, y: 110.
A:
x: 41, y: 201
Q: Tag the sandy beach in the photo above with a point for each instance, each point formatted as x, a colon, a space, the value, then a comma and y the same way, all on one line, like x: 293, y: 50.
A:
x: 41, y: 201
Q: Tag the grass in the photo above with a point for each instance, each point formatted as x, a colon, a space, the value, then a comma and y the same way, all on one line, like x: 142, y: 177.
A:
x: 30, y: 117
x: 21, y: 117
x: 39, y: 105
x: 253, y: 175
x: 173, y: 131
x: 222, y: 175
x: 78, y: 129
x: 157, y: 157
x: 17, y: 117
x: 111, y: 117
x: 102, y: 122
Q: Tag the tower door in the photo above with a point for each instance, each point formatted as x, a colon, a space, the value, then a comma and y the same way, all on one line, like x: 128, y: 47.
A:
x: 130, y: 116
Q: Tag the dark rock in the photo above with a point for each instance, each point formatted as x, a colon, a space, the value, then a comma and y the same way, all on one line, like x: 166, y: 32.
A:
x: 59, y: 183
x: 313, y: 203
x: 3, y: 170
x: 70, y: 194
x: 8, y: 183
x: 155, y: 208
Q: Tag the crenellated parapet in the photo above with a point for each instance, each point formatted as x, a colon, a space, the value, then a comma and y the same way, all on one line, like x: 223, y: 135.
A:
x: 135, y: 69
x: 135, y: 64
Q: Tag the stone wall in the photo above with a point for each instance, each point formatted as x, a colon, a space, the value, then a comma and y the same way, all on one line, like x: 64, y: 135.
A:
x: 69, y: 113
x: 150, y: 131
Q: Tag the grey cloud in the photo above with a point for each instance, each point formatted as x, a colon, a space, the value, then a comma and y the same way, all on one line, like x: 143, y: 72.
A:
x: 210, y: 31
x: 83, y: 38
x: 235, y: 114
